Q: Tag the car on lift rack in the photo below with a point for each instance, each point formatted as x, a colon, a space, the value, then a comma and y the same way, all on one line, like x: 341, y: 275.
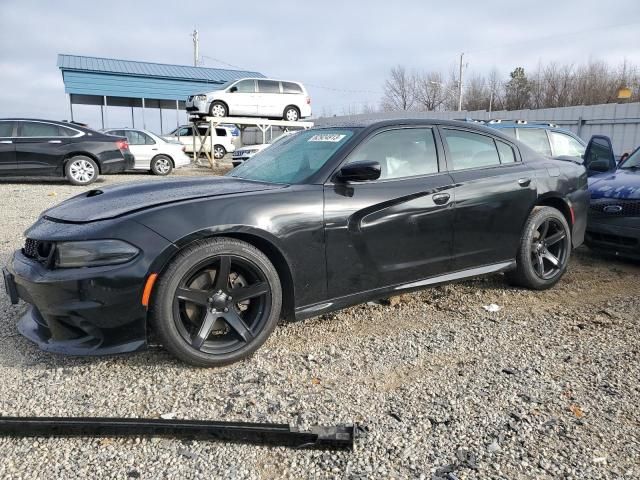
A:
x: 333, y: 217
x: 220, y: 137
x: 254, y: 97
x: 46, y: 148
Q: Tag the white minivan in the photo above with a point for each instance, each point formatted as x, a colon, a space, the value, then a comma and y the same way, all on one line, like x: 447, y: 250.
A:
x: 221, y: 138
x: 254, y: 97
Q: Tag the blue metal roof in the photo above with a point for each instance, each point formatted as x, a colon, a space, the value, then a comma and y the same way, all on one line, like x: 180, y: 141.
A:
x: 130, y: 79
x: 147, y: 69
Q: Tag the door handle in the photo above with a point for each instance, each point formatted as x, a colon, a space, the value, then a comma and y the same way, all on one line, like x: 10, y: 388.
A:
x: 441, y: 198
x: 55, y: 141
x: 524, y: 182
x: 154, y: 149
x: 6, y: 141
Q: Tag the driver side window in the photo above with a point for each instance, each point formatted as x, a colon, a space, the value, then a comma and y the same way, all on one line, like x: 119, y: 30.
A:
x: 406, y: 152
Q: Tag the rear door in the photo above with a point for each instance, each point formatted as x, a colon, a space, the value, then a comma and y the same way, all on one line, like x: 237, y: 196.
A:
x: 396, y: 229
x: 269, y: 99
x: 292, y: 94
x: 7, y: 147
x: 143, y: 148
x: 41, y: 147
x: 493, y: 196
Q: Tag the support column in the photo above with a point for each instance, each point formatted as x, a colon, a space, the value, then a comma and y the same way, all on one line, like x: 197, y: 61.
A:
x: 133, y: 120
x: 102, y: 115
x: 105, y: 117
x: 160, y: 108
x: 177, y: 114
x: 144, y: 123
x: 70, y: 107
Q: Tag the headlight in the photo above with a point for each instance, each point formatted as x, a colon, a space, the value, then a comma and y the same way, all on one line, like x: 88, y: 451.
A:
x: 201, y: 97
x: 93, y: 253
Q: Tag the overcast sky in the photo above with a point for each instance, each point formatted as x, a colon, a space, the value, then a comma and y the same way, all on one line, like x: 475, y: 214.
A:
x: 342, y: 50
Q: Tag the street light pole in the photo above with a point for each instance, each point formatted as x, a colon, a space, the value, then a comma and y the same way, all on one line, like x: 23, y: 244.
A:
x: 196, y: 47
x: 460, y: 83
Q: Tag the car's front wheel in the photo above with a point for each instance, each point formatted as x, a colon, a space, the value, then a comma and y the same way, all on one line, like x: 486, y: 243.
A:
x: 218, y: 109
x: 545, y: 248
x: 217, y: 302
x: 81, y: 170
x: 161, y: 165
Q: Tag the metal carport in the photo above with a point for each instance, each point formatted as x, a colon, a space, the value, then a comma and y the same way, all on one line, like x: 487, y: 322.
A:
x: 112, y: 82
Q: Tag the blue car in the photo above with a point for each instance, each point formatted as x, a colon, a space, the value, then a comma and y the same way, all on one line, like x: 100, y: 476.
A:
x: 613, y: 224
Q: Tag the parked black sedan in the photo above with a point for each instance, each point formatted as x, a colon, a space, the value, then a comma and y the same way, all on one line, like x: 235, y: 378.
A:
x: 326, y: 219
x: 30, y: 147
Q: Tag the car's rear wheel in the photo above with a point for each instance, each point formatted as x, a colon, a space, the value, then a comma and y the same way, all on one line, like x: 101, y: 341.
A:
x: 217, y: 302
x: 219, y: 151
x: 218, y: 109
x: 81, y: 170
x: 161, y: 165
x: 544, y: 250
x: 291, y: 114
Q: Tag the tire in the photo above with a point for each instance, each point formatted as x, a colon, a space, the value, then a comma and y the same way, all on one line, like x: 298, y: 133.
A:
x: 218, y: 109
x: 161, y: 165
x: 543, y: 254
x: 190, y: 298
x: 219, y: 152
x: 291, y: 114
x: 81, y: 170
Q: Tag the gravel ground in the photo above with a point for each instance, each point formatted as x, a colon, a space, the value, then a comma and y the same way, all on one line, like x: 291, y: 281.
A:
x: 547, y: 387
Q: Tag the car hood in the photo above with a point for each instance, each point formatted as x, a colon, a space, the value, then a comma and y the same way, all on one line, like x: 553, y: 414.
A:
x: 118, y: 200
x: 619, y: 184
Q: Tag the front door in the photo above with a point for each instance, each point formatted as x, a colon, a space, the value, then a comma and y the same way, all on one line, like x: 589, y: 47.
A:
x: 396, y: 229
x: 242, y: 98
x: 40, y: 147
x: 7, y: 148
x: 493, y: 194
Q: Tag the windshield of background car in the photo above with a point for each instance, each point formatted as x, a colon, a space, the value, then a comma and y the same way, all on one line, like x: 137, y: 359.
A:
x: 633, y: 161
x: 293, y: 159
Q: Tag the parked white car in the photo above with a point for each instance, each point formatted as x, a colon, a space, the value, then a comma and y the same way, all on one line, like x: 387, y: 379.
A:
x: 151, y: 151
x: 248, y: 151
x: 254, y: 97
x: 222, y: 139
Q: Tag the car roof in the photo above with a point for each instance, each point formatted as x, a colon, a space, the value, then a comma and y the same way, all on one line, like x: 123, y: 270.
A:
x: 272, y: 79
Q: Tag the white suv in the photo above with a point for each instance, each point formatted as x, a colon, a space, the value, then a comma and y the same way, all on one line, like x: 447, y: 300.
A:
x: 254, y: 97
x: 221, y: 138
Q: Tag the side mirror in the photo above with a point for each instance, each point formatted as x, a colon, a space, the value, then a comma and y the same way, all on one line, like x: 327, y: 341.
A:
x: 359, y: 171
x: 233, y: 89
x: 598, y: 157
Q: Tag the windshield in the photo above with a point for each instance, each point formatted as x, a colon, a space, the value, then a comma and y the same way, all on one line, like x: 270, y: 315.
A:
x: 295, y: 158
x: 633, y: 161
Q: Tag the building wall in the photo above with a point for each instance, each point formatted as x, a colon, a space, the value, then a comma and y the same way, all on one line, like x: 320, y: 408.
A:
x: 620, y: 122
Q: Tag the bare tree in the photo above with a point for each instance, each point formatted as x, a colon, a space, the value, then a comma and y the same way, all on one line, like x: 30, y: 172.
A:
x: 399, y: 90
x: 430, y: 91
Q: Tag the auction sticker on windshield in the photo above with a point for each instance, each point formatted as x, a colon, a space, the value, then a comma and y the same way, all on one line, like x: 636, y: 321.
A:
x: 326, y: 137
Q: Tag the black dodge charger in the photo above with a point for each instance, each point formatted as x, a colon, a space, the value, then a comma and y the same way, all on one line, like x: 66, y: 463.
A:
x: 326, y: 219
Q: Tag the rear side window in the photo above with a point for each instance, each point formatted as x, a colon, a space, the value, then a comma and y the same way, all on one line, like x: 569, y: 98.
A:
x: 6, y: 129
x: 268, y: 86
x: 507, y: 155
x: 185, y: 132
x: 407, y: 152
x: 536, y: 139
x: 221, y: 132
x: 37, y: 129
x: 511, y: 131
x: 470, y: 150
x: 138, y: 138
x: 290, y: 87
x: 564, y: 144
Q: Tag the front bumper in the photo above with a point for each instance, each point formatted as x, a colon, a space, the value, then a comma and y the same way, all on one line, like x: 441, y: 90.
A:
x: 197, y: 106
x: 620, y: 237
x: 90, y: 311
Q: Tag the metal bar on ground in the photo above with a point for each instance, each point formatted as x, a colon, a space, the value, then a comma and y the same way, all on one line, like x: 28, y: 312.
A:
x: 333, y: 437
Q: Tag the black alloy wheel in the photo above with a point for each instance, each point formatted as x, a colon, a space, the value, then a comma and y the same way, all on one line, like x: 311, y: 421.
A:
x: 222, y: 301
x: 545, y: 248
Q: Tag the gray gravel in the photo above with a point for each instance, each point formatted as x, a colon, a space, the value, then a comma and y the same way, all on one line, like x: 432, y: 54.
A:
x: 547, y: 387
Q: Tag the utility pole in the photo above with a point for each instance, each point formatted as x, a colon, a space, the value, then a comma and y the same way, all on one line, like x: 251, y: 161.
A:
x: 196, y: 47
x: 460, y: 83
x: 491, y: 99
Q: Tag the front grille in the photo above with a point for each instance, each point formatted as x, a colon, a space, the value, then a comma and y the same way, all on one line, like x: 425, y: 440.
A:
x: 39, y: 250
x: 617, y: 208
